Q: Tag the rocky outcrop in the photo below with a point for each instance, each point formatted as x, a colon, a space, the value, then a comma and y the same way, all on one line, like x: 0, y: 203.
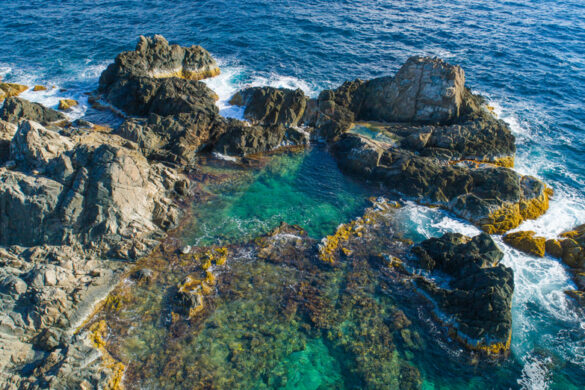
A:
x: 478, y: 300
x: 271, y: 106
x: 15, y: 109
x: 88, y: 189
x: 71, y: 200
x: 10, y: 89
x: 424, y: 90
x: 527, y: 242
x: 494, y: 198
x: 159, y: 78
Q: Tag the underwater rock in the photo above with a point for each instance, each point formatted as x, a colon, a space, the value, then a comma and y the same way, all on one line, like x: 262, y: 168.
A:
x: 526, y: 242
x: 479, y: 297
x: 270, y: 106
x: 496, y: 199
x: 15, y: 109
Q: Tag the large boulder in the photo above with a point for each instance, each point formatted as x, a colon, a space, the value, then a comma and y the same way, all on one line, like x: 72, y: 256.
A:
x: 478, y: 298
x: 160, y: 78
x: 16, y: 109
x: 155, y: 58
x: 271, y: 106
x: 425, y: 90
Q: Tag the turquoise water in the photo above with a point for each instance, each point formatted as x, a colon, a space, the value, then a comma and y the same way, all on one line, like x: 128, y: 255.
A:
x: 303, y: 188
x: 526, y: 57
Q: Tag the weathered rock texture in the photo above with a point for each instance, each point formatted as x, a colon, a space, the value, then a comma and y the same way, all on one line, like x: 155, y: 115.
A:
x: 71, y: 200
x: 15, y: 109
x: 479, y: 297
x: 271, y: 106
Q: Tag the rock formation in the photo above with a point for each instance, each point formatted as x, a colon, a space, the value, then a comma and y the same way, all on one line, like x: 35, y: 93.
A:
x: 71, y: 200
x: 479, y: 297
x: 15, y: 109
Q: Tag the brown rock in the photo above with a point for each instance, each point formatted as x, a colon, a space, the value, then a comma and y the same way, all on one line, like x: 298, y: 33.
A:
x: 554, y: 248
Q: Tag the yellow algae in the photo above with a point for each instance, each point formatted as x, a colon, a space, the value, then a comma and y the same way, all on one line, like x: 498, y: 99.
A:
x: 97, y: 334
x: 37, y: 88
x: 188, y: 74
x: 526, y: 242
x: 10, y: 89
x: 65, y: 104
x: 510, y: 216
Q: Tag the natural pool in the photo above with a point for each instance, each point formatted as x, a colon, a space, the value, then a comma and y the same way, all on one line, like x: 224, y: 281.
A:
x: 283, y: 321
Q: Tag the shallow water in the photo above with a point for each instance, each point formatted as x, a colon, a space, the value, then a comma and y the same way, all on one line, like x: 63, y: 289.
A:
x: 527, y: 57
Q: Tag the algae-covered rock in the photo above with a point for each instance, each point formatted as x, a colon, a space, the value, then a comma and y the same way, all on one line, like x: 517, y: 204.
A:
x: 38, y: 88
x: 10, y: 89
x: 66, y: 104
x: 526, y: 241
x: 496, y: 199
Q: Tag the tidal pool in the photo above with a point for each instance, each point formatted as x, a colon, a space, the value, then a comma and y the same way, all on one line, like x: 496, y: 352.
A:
x: 284, y: 320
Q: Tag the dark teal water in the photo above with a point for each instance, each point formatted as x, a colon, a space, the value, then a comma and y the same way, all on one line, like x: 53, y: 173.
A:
x: 527, y: 57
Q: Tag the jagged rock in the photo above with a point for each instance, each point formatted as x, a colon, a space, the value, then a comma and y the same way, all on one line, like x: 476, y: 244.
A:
x: 16, y: 109
x: 94, y: 191
x: 494, y: 198
x: 7, y: 131
x: 241, y: 139
x: 271, y: 106
x: 526, y: 241
x: 173, y: 138
x: 553, y: 248
x: 160, y: 78
x: 425, y: 90
x: 35, y: 146
x: 479, y: 297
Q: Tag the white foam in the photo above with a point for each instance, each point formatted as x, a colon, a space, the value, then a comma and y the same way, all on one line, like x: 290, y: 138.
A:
x: 535, y: 374
x: 225, y: 86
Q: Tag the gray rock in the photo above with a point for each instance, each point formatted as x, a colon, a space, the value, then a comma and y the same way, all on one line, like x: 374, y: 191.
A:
x: 425, y: 90
x: 271, y: 106
x: 242, y: 139
x: 35, y: 146
x: 16, y: 109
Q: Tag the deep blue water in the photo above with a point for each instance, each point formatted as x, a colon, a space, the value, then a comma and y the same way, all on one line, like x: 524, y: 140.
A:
x: 528, y: 58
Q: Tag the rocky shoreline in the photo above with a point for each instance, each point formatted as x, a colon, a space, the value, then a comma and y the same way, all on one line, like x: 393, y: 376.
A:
x: 79, y: 203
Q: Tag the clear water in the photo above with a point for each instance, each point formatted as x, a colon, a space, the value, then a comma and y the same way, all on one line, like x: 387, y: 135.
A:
x: 527, y: 57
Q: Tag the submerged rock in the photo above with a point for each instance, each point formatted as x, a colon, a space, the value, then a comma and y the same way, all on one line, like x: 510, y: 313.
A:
x: 15, y: 109
x: 479, y: 295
